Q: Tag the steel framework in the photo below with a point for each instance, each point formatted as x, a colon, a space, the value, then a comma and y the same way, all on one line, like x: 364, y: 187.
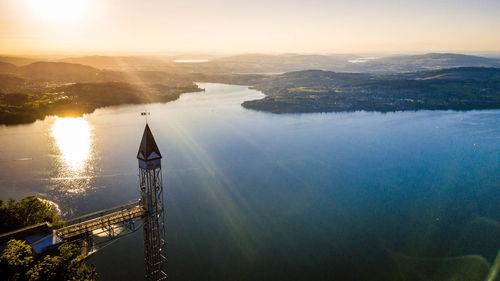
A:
x: 154, y: 225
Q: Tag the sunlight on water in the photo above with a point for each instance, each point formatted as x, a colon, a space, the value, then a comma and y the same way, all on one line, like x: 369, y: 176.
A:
x: 73, y: 143
x: 73, y: 138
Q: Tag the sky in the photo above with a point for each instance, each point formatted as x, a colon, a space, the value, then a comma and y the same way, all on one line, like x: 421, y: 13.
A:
x: 257, y: 26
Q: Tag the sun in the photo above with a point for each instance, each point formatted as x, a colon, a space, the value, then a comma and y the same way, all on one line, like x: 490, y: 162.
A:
x: 58, y: 10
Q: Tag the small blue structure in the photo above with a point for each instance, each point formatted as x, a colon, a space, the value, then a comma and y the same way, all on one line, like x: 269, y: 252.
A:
x: 41, y: 237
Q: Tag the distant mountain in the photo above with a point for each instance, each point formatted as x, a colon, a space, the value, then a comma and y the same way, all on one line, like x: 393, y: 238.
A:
x: 18, y: 61
x: 122, y: 62
x: 6, y: 67
x: 10, y: 83
x: 442, y: 59
x: 246, y: 63
x: 61, y: 72
x: 271, y: 64
x: 58, y: 72
x: 422, y: 62
x: 262, y: 63
x: 141, y: 69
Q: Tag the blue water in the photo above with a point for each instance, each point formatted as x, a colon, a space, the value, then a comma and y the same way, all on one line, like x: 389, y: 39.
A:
x: 258, y: 196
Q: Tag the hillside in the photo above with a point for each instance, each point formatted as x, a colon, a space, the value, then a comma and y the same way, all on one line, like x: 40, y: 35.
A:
x: 18, y: 61
x: 273, y: 64
x: 58, y: 72
x: 422, y: 62
x: 6, y: 67
x: 324, y: 91
x: 10, y: 83
x: 262, y: 63
x: 76, y: 99
x: 459, y: 73
x: 442, y: 60
x: 122, y: 62
x: 56, y: 88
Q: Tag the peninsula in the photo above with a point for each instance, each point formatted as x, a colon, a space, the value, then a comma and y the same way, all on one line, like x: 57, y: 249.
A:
x: 465, y: 88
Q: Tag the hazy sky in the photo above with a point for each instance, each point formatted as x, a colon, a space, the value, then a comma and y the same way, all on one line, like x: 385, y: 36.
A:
x: 334, y: 26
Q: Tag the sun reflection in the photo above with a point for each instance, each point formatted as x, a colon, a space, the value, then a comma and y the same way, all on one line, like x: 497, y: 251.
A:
x: 73, y: 137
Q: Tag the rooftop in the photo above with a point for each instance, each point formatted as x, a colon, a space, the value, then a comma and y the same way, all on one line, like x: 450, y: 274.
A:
x: 148, y: 150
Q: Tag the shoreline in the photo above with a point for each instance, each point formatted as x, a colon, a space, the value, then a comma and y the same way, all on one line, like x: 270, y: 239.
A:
x: 77, y: 109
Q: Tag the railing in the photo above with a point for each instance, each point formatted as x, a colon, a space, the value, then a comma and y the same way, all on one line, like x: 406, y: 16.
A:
x: 101, y: 220
x: 100, y: 213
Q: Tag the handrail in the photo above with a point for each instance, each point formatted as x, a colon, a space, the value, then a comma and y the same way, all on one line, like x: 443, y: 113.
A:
x: 101, y: 212
x: 104, y: 220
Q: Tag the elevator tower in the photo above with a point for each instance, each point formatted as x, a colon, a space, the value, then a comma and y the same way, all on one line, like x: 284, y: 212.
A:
x: 151, y: 185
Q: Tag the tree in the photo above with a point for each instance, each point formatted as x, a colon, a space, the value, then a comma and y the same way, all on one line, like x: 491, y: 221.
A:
x: 16, y: 260
x: 19, y: 262
x: 29, y: 211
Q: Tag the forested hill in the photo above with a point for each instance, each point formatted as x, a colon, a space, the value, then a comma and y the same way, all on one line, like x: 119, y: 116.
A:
x: 62, y: 72
x: 35, y: 90
x: 459, y: 73
x: 463, y: 88
x: 58, y: 72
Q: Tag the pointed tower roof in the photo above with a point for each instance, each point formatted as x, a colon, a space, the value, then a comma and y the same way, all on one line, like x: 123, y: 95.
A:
x: 148, y: 150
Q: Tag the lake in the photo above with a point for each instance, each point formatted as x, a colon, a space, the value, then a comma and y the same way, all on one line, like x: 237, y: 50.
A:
x: 259, y: 196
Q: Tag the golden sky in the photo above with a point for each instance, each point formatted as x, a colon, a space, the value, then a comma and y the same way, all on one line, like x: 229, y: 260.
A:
x: 236, y: 26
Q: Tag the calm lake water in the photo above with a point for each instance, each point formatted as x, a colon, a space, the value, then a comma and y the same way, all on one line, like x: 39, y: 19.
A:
x: 258, y: 196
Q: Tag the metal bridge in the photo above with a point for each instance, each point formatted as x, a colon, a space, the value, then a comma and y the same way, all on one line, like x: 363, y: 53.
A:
x: 101, y: 221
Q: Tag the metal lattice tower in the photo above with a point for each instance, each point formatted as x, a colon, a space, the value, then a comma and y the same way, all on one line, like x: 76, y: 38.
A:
x: 149, y: 157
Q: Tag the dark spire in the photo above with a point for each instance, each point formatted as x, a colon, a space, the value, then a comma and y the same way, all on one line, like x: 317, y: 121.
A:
x: 148, y: 150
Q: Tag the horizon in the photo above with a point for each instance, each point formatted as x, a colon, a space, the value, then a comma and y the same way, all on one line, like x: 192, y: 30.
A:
x: 236, y: 27
x: 48, y: 56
